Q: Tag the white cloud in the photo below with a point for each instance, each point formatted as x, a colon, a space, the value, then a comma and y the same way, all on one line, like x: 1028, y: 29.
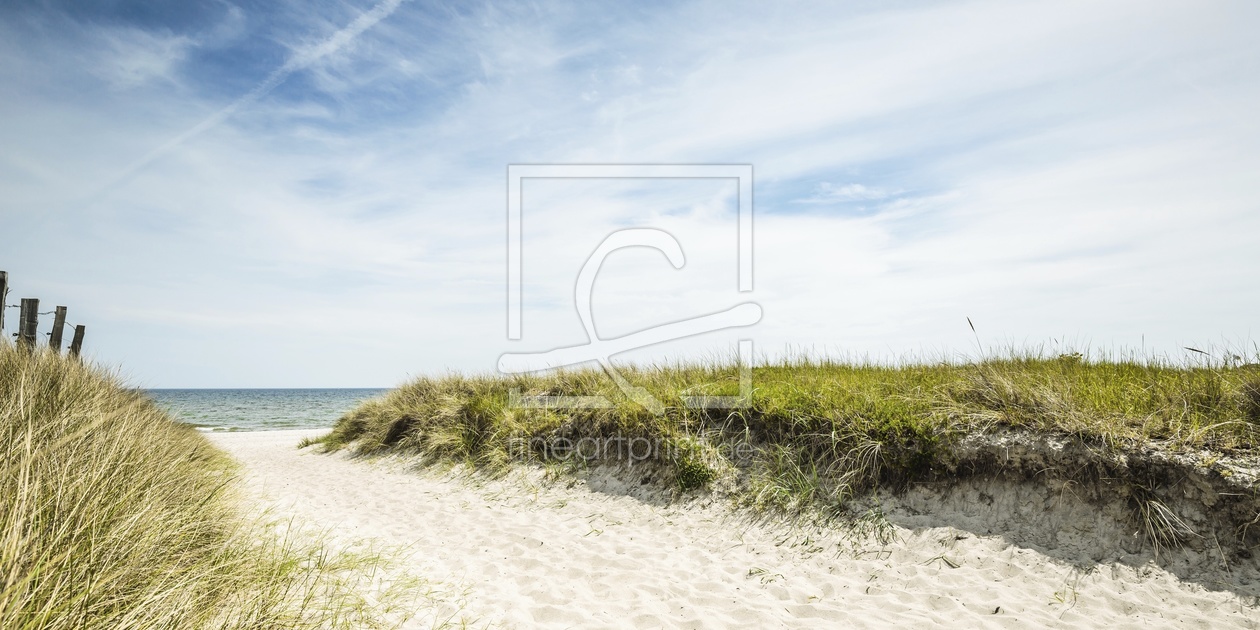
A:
x: 828, y: 192
x: 1076, y: 169
x: 133, y: 57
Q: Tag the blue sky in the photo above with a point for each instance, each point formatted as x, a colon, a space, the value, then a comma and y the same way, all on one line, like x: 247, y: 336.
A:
x: 313, y: 194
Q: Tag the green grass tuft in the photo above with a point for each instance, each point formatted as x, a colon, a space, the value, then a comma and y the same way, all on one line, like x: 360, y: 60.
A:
x: 815, y: 432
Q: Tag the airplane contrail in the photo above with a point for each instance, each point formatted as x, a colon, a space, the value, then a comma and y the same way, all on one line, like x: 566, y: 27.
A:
x: 299, y: 61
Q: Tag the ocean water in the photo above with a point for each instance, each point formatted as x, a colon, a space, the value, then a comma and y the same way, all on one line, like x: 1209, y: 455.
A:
x: 260, y: 409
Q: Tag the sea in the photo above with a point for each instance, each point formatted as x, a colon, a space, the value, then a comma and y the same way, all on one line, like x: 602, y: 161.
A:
x: 260, y: 409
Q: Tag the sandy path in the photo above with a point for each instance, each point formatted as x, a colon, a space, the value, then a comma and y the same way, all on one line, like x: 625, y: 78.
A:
x: 568, y: 557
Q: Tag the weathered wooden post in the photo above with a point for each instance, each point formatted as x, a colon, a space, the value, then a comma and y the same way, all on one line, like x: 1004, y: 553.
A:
x: 28, y: 325
x: 76, y: 344
x: 59, y: 322
x: 4, y: 295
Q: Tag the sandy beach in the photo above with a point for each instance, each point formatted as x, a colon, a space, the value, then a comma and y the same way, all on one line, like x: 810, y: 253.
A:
x: 598, y: 552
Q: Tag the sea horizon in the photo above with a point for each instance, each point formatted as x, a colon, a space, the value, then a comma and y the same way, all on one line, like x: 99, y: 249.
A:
x: 216, y: 409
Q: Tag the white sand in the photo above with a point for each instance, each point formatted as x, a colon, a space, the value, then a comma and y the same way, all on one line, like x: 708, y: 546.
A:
x: 563, y: 555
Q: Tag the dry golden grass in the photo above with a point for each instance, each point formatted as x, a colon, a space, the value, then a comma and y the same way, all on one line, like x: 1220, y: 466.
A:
x: 114, y: 516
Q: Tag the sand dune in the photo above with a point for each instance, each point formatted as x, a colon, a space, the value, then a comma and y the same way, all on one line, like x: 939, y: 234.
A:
x: 590, y: 554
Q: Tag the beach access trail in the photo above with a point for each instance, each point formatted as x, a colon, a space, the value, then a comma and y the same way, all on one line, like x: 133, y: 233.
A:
x: 589, y: 553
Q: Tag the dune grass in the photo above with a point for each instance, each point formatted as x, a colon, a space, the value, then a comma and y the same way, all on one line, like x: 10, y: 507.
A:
x: 114, y: 516
x: 813, y: 431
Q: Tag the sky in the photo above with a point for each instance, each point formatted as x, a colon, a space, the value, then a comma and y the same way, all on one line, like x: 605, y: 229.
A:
x: 314, y: 194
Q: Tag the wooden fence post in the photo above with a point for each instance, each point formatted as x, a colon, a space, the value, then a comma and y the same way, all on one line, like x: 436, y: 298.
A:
x: 28, y: 325
x: 59, y: 322
x: 76, y: 344
x: 4, y: 295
